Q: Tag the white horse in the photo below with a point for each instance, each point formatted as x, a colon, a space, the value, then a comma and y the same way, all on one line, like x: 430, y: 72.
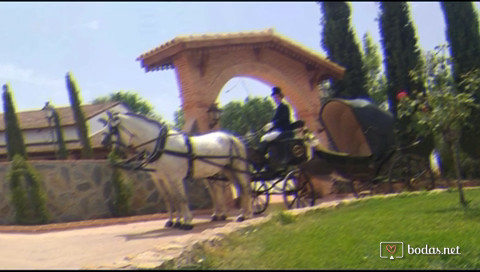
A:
x: 175, y: 157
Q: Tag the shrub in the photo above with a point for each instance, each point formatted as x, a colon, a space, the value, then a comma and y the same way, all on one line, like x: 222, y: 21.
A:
x: 28, y: 197
x: 122, y: 188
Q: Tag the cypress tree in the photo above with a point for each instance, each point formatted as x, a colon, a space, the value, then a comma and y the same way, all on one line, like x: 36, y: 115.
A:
x: 376, y: 81
x: 122, y: 188
x: 13, y: 134
x: 463, y: 36
x: 339, y: 41
x: 28, y: 197
x: 401, y: 52
x: 62, y: 149
x: 82, y: 128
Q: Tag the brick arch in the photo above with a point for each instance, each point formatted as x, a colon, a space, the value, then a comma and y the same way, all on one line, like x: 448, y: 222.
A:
x: 205, y: 63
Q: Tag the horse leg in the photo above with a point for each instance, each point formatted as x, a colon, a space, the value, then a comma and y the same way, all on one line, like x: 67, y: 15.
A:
x: 245, y: 196
x: 244, y: 193
x: 219, y: 211
x: 222, y: 205
x: 211, y: 191
x: 182, y: 205
x: 167, y: 199
x: 169, y: 205
x: 178, y: 215
x: 242, y: 179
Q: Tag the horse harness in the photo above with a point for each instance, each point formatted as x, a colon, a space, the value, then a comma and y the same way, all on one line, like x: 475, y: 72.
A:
x: 159, y: 150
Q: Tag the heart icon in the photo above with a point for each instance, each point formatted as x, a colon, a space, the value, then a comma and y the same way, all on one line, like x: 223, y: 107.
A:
x: 391, y: 248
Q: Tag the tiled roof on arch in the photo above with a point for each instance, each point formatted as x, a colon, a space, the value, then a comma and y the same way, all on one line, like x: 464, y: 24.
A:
x: 161, y: 57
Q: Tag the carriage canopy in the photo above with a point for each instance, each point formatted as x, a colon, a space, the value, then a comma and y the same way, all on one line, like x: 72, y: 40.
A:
x: 357, y: 127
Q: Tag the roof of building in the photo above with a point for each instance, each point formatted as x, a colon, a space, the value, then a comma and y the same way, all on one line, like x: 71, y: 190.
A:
x: 36, y: 119
x: 162, y: 56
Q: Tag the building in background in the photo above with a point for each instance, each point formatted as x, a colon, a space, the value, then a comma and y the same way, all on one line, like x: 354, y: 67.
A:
x: 39, y: 134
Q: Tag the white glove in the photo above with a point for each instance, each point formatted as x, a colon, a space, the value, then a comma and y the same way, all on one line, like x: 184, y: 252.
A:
x: 268, y: 126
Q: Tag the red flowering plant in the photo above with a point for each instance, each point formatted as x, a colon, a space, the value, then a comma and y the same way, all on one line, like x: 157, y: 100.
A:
x: 407, y: 107
x: 401, y: 95
x: 441, y: 110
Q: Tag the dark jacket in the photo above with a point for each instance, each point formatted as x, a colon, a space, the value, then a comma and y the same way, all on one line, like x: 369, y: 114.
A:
x: 281, y: 119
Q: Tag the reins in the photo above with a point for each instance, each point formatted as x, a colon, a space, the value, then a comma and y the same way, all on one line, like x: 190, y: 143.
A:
x: 159, y: 150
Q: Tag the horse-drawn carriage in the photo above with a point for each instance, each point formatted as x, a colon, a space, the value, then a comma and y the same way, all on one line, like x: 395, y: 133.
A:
x: 361, y: 152
x: 361, y: 149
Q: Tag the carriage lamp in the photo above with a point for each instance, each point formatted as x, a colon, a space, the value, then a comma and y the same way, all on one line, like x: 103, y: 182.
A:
x: 49, y: 113
x: 213, y: 114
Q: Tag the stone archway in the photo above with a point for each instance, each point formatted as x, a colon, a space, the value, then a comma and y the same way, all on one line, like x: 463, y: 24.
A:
x: 205, y: 63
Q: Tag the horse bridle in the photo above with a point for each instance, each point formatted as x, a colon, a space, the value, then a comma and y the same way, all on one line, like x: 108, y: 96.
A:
x: 158, y: 150
x: 113, y: 130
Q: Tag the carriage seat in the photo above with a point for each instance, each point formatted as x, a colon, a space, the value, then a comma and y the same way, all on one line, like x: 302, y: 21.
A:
x: 297, y: 124
x: 290, y: 133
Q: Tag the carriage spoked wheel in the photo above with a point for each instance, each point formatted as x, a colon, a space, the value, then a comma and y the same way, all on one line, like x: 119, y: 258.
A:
x: 260, y: 196
x: 298, y: 191
x: 362, y: 188
x: 413, y: 172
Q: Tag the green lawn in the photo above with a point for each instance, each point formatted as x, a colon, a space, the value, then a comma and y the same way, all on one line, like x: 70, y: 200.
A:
x: 349, y: 235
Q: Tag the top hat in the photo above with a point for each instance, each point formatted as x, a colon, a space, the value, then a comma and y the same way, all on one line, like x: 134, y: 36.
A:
x: 277, y: 90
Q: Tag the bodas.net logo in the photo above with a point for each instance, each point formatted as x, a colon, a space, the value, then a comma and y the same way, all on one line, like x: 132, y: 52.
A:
x: 391, y: 250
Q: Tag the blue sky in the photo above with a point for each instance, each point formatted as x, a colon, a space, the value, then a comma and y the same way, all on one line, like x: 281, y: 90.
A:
x: 100, y: 41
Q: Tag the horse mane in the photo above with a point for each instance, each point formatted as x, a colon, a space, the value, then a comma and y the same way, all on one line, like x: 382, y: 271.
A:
x: 155, y: 122
x: 152, y: 121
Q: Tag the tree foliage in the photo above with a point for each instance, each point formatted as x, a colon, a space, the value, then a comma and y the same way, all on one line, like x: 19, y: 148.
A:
x: 463, y: 36
x: 62, y: 148
x: 28, y: 197
x: 132, y: 100
x: 376, y: 81
x: 445, y: 117
x: 122, y: 188
x: 240, y: 118
x: 13, y: 133
x: 339, y: 41
x: 401, y: 52
x: 82, y: 128
x: 179, y: 119
x: 248, y: 117
x: 443, y: 111
x: 471, y: 130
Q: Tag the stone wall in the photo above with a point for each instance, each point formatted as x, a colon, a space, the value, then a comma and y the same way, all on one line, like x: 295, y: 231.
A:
x: 80, y: 190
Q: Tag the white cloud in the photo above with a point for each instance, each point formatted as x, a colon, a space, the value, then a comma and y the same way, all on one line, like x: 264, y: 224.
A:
x: 10, y: 72
x: 93, y: 25
x: 33, y: 88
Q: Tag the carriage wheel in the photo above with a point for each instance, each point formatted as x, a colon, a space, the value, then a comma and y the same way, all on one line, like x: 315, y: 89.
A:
x: 260, y: 196
x: 298, y: 191
x: 413, y: 172
x: 363, y: 188
x: 422, y: 177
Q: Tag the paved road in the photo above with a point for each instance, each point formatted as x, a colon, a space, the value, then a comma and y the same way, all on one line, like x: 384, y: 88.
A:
x: 89, y: 247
